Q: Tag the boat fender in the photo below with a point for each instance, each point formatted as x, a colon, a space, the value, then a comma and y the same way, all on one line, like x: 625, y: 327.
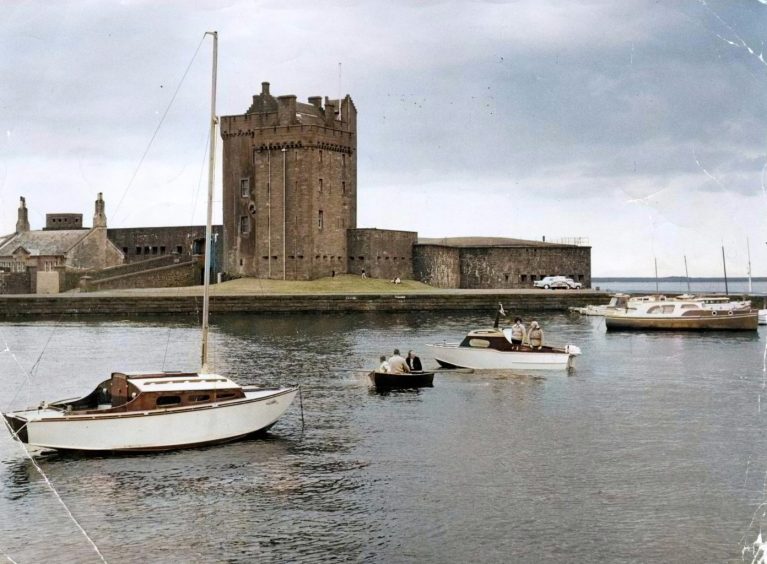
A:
x: 714, y: 312
x: 729, y: 312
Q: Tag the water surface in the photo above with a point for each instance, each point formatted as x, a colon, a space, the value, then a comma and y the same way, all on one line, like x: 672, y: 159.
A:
x: 652, y: 450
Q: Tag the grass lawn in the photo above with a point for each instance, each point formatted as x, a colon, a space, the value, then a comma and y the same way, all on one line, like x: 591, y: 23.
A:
x: 341, y: 284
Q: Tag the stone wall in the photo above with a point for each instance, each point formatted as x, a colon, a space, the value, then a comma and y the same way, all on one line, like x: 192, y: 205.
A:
x: 94, y: 251
x: 97, y: 304
x: 48, y: 282
x: 499, y: 267
x: 16, y: 283
x: 184, y: 274
x: 437, y: 265
x: 382, y: 253
x: 142, y: 243
x: 290, y: 187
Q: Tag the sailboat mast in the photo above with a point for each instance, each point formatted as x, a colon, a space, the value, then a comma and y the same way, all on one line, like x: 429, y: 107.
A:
x: 208, y: 227
x: 724, y: 266
x: 657, y: 289
x: 748, y: 250
x: 686, y: 273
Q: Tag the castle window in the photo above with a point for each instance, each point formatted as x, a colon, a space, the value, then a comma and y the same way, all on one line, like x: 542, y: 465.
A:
x: 162, y: 250
x: 320, y: 185
x: 320, y: 219
x: 146, y: 250
x: 154, y: 250
x: 343, y: 186
x: 179, y: 249
x: 523, y: 277
x: 343, y: 160
x: 138, y: 250
x: 245, y: 187
x: 125, y: 250
x: 320, y: 156
x: 244, y: 224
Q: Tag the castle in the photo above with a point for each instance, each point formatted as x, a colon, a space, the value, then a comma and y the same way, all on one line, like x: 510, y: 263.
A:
x: 289, y: 213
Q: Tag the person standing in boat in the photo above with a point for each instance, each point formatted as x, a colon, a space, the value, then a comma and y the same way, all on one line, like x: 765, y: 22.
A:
x: 518, y: 333
x: 397, y: 364
x: 535, y: 335
x: 384, y: 367
x: 413, y: 362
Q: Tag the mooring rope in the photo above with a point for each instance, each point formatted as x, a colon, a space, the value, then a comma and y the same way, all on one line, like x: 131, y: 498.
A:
x: 14, y: 435
x: 59, y: 498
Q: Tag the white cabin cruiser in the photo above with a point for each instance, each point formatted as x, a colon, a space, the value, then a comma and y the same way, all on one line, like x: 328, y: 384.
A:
x: 492, y: 349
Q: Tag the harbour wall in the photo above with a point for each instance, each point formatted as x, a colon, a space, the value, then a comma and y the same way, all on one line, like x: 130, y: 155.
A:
x: 102, y: 304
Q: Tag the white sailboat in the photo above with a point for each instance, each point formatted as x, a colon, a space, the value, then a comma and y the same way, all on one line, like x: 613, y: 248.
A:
x: 157, y: 410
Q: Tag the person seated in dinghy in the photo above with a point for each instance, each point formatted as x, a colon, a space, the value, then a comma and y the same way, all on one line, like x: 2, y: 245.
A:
x: 413, y: 362
x: 384, y: 366
x: 535, y: 336
x: 397, y: 364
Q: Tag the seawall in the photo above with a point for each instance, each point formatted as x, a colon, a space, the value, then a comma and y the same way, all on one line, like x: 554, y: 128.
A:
x: 105, y: 304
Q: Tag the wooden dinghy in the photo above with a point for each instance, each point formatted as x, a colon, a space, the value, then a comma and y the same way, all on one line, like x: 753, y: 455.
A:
x: 402, y: 380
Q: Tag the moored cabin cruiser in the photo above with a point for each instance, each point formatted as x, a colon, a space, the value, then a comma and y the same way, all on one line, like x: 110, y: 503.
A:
x: 149, y: 412
x: 681, y: 315
x: 492, y: 349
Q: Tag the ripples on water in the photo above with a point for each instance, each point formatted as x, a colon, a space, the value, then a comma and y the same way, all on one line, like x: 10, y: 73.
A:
x: 652, y: 450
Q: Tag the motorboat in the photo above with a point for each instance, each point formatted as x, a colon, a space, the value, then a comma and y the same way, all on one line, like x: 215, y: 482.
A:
x: 420, y: 379
x: 158, y: 410
x: 616, y: 301
x: 492, y: 349
x: 681, y: 315
x: 623, y: 301
x: 763, y: 317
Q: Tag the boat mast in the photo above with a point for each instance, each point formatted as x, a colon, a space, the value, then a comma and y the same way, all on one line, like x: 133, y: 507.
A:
x: 657, y: 290
x: 748, y: 250
x: 724, y: 265
x: 208, y: 228
x: 686, y: 274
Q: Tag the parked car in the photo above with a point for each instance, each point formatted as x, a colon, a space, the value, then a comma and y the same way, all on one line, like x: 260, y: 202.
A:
x: 573, y: 285
x: 551, y: 282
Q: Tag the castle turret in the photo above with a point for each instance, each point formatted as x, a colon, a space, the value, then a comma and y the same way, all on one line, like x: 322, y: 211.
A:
x: 22, y: 223
x: 99, y: 217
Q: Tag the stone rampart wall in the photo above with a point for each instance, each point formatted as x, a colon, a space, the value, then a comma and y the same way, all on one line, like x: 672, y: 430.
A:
x: 382, y: 253
x: 437, y: 266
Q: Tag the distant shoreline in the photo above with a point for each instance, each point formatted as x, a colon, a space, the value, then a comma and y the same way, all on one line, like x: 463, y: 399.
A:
x: 676, y: 279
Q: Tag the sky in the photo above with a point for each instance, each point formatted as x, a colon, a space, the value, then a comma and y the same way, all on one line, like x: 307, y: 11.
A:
x: 639, y: 125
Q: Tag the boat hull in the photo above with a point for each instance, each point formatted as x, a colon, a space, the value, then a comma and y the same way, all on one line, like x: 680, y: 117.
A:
x: 405, y: 380
x: 710, y: 322
x: 153, y: 430
x: 452, y: 355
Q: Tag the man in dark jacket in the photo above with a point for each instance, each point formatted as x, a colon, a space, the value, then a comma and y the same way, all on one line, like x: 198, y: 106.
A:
x: 413, y: 362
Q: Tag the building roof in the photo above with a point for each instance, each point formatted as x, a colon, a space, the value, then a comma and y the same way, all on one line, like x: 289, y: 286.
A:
x: 44, y: 243
x: 486, y: 242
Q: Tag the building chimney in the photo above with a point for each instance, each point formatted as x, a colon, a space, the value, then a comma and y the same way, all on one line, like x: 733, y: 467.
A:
x: 22, y: 223
x: 544, y: 238
x: 265, y: 89
x: 99, y: 217
x: 315, y: 101
x: 330, y: 112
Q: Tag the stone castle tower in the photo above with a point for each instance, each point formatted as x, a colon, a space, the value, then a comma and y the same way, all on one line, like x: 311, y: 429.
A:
x: 290, y: 187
